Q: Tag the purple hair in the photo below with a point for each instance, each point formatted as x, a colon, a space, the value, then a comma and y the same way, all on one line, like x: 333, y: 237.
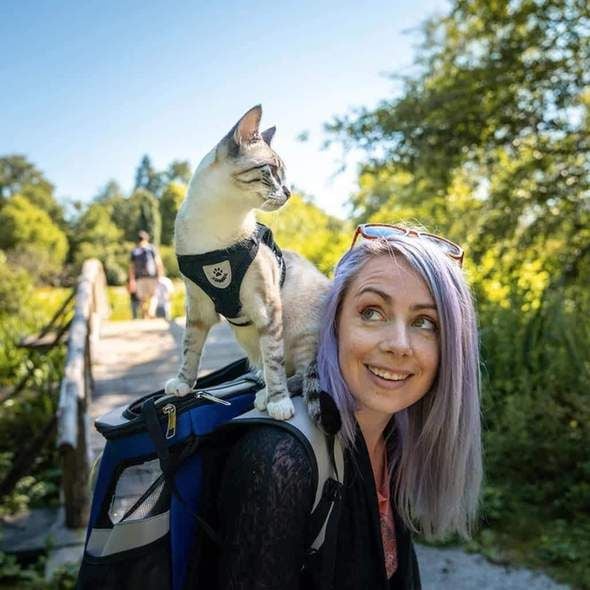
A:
x: 437, y: 465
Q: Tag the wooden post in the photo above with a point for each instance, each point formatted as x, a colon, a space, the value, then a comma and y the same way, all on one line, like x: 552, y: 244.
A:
x: 75, y: 394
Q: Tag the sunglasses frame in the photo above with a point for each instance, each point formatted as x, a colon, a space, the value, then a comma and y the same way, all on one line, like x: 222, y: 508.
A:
x: 458, y: 257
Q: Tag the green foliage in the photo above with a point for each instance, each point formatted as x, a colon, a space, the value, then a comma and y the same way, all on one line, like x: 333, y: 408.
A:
x: 16, y: 286
x: 23, y: 416
x: 488, y: 144
x: 13, y: 575
x: 304, y: 228
x: 31, y: 239
x: 147, y: 178
x: 168, y: 256
x: 149, y: 214
x: 170, y: 201
x: 19, y: 176
x: 94, y: 235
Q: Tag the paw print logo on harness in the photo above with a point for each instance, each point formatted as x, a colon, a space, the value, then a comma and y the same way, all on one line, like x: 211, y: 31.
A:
x: 219, y: 275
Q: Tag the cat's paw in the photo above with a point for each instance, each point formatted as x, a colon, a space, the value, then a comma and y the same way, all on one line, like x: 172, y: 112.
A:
x: 281, y: 409
x: 260, y: 400
x: 177, y: 386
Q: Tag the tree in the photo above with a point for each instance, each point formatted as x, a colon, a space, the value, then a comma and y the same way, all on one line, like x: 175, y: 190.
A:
x: 110, y: 192
x: 489, y: 143
x: 147, y: 178
x: 149, y: 214
x: 500, y: 100
x: 170, y: 201
x: 178, y: 171
x: 19, y: 176
x: 31, y: 239
x: 303, y: 227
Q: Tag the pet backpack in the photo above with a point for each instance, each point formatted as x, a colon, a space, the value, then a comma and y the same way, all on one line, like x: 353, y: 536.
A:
x: 169, y: 448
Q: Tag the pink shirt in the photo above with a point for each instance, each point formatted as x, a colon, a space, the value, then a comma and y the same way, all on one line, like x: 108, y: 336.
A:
x: 387, y: 523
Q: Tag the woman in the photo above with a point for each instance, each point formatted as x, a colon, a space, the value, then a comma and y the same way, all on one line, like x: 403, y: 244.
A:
x: 398, y: 355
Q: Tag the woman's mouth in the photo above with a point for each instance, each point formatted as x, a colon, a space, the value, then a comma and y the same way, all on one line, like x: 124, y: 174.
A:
x: 393, y: 376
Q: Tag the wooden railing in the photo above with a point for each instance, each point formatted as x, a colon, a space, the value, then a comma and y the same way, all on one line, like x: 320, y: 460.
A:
x: 91, y: 307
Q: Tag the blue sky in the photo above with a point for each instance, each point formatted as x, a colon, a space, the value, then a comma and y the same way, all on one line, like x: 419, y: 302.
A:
x: 87, y: 88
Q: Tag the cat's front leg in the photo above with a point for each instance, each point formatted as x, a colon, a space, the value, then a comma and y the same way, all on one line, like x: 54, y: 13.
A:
x: 275, y: 397
x: 193, y: 341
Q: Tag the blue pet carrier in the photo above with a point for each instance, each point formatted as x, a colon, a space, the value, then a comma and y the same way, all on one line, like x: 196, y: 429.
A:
x: 157, y: 466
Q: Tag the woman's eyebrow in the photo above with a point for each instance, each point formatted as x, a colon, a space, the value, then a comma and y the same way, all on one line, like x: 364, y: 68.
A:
x: 387, y: 297
x: 418, y: 306
x: 381, y: 294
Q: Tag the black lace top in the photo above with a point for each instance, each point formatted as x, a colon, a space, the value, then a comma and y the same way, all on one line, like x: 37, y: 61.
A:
x: 264, y: 501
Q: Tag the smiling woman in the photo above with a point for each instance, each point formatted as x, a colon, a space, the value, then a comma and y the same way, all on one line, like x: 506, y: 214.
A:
x: 398, y: 360
x: 399, y: 355
x: 388, y: 340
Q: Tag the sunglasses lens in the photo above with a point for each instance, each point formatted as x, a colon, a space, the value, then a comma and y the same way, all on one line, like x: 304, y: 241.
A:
x: 446, y: 247
x: 380, y: 231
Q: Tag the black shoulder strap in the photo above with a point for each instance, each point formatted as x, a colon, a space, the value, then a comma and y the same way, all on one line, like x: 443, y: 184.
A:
x: 168, y: 467
x: 327, y: 454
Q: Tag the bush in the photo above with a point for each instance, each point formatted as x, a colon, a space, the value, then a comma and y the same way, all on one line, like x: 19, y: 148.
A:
x: 169, y: 261
x: 114, y: 257
x: 29, y: 235
x: 16, y: 286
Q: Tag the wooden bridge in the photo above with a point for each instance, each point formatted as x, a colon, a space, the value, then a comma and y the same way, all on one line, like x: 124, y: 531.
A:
x: 110, y: 364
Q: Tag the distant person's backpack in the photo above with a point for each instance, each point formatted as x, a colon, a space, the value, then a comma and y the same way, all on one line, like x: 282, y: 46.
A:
x: 143, y: 259
x: 152, y: 521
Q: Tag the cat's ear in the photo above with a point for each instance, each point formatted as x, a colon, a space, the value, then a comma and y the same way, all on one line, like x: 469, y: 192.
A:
x: 268, y: 134
x: 243, y: 132
x: 246, y: 130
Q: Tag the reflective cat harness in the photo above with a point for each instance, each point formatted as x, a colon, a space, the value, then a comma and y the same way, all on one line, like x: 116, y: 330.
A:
x: 220, y: 272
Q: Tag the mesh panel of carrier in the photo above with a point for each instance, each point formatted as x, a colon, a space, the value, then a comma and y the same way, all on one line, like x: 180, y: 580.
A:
x: 137, y: 492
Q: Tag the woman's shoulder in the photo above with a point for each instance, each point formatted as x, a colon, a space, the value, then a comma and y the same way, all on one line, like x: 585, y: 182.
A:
x: 268, y: 461
x: 267, y: 444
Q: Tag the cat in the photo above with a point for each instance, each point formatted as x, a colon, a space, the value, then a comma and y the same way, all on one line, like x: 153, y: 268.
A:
x: 277, y: 325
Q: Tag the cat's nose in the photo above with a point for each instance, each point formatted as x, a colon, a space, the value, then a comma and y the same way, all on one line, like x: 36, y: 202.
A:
x: 286, y: 191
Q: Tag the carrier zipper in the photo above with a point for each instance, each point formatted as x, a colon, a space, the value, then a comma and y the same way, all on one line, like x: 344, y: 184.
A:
x: 199, y: 394
x: 170, y: 411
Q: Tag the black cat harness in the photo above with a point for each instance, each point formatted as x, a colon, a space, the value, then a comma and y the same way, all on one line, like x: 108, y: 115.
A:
x: 220, y: 272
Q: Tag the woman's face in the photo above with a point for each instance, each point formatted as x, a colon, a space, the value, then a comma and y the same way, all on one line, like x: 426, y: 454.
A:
x: 388, y: 337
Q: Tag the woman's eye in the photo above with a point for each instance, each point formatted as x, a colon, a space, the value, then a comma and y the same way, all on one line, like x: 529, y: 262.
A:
x: 370, y: 314
x: 426, y: 323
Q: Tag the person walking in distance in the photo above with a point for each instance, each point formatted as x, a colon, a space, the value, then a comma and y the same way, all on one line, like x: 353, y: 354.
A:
x: 145, y: 268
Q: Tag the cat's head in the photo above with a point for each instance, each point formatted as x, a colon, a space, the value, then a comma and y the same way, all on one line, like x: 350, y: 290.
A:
x: 245, y: 160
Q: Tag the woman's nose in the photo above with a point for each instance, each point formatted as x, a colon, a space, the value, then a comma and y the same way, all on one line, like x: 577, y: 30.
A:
x: 396, y: 339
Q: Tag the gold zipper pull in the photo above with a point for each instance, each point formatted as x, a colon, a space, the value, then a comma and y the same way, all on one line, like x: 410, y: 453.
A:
x: 170, y: 411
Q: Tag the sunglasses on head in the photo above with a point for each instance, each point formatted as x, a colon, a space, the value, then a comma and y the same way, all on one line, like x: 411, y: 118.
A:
x: 384, y: 231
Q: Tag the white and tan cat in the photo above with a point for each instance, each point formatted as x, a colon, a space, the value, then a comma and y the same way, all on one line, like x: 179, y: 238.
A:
x: 241, y: 174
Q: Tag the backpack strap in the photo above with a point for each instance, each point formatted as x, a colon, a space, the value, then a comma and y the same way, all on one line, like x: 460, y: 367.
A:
x: 328, y: 459
x: 168, y: 466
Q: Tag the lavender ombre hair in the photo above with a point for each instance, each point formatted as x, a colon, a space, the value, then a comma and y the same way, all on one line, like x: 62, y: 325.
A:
x: 437, y: 463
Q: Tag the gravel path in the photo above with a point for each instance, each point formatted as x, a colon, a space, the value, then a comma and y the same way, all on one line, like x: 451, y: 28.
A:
x: 453, y: 569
